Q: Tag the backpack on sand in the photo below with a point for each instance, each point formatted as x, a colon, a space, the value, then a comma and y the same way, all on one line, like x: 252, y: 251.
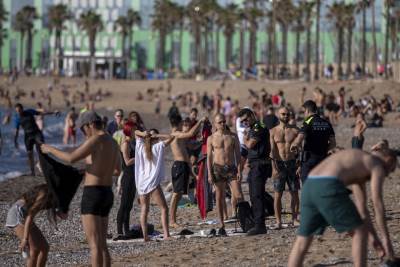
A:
x: 268, y: 204
x: 244, y: 216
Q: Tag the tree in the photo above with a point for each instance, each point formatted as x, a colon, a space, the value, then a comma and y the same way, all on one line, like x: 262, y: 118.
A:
x: 388, y: 6
x: 58, y: 15
x: 3, y: 32
x: 317, y: 33
x: 336, y: 14
x: 350, y: 22
x: 374, y: 46
x: 298, y: 28
x: 228, y: 19
x: 285, y: 17
x: 308, y: 7
x: 363, y: 5
x: 122, y: 26
x: 252, y: 14
x: 91, y: 23
x: 24, y: 20
x: 133, y: 19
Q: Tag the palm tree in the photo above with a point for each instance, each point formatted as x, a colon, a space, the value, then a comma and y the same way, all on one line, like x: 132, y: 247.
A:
x: 317, y: 33
x: 133, y: 19
x: 298, y: 28
x: 363, y: 5
x: 252, y: 14
x: 375, y: 48
x: 24, y: 20
x: 20, y: 26
x: 227, y: 19
x: 91, y: 23
x: 350, y: 22
x: 242, y: 28
x: 388, y: 6
x: 308, y: 7
x: 336, y: 13
x: 181, y: 18
x: 58, y: 15
x: 122, y: 26
x: 285, y: 17
x: 3, y: 32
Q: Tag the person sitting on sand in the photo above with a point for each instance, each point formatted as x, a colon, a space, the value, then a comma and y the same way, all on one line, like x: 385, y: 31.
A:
x: 223, y: 151
x: 21, y: 216
x: 325, y: 201
x: 103, y: 160
x: 149, y: 173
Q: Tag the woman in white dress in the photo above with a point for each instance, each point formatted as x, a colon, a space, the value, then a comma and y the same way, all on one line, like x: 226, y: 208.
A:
x: 149, y: 173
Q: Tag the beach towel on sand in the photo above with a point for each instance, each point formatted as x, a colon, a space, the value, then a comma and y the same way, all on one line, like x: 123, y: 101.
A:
x: 62, y: 180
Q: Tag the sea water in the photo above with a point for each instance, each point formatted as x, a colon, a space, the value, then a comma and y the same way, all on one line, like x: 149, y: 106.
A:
x: 14, y: 162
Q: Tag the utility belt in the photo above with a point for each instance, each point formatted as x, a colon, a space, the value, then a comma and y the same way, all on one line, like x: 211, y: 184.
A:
x: 260, y: 161
x: 306, y: 155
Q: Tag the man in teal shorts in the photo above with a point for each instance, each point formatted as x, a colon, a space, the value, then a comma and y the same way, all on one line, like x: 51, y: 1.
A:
x: 325, y: 201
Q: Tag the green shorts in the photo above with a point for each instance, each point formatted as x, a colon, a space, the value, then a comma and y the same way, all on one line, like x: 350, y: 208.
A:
x: 325, y: 201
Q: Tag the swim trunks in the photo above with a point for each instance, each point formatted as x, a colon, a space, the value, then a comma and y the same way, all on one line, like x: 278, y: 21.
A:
x: 325, y: 201
x: 97, y: 200
x: 287, y: 175
x: 357, y: 142
x: 71, y: 131
x: 16, y: 214
x: 180, y: 173
x: 224, y: 173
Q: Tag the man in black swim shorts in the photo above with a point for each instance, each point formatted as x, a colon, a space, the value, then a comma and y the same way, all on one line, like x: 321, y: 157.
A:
x: 102, y: 156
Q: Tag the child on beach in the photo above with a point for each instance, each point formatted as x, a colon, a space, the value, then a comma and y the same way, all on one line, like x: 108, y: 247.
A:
x: 149, y: 172
x: 20, y: 218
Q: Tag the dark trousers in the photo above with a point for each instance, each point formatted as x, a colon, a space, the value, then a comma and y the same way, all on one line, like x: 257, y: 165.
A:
x: 308, y: 165
x: 257, y: 177
x: 125, y: 207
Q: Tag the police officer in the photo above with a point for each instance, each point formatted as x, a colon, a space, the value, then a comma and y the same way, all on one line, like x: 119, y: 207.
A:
x: 258, y: 149
x: 318, y: 136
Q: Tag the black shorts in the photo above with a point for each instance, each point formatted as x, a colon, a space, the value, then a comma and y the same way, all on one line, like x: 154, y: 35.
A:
x: 31, y: 139
x: 97, y: 200
x: 180, y: 173
x: 357, y: 142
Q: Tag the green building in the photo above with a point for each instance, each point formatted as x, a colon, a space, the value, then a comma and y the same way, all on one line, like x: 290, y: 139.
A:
x: 109, y: 46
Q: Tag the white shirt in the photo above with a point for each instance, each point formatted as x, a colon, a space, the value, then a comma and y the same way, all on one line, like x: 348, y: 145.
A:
x: 240, y: 131
x: 149, y: 174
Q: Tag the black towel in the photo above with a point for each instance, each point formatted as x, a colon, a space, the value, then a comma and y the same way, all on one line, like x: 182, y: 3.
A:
x: 63, y: 180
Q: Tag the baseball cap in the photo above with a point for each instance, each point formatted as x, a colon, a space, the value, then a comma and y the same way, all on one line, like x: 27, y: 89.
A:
x: 87, y: 117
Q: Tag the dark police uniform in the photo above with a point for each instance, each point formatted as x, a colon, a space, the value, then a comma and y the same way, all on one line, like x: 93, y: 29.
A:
x: 317, y: 132
x: 260, y: 170
x: 33, y: 135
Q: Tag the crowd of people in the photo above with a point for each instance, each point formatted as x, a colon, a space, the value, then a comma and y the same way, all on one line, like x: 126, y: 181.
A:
x: 261, y: 140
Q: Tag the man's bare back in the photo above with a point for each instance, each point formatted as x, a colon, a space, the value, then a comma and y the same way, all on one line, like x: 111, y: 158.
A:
x: 282, y: 138
x: 105, y: 153
x: 224, y: 146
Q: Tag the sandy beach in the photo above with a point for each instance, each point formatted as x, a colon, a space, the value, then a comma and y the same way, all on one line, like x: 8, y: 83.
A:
x: 69, y: 248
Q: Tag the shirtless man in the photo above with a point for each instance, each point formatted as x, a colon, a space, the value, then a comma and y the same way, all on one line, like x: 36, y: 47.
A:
x: 224, y: 165
x: 102, y: 157
x: 180, y: 171
x: 284, y: 165
x: 69, y: 129
x: 358, y: 135
x: 325, y: 201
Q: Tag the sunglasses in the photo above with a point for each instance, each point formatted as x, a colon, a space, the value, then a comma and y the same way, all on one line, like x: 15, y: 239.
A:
x: 244, y: 120
x: 221, y: 122
x: 118, y: 115
x: 284, y: 114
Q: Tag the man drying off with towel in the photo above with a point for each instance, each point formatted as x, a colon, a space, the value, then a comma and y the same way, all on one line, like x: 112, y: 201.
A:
x: 103, y: 160
x: 325, y: 201
x: 223, y: 152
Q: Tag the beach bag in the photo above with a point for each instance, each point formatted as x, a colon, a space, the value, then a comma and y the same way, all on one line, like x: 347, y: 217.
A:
x: 268, y: 204
x: 244, y: 215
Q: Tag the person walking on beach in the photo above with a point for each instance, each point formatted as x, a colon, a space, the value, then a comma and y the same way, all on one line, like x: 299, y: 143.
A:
x: 117, y: 123
x: 224, y: 165
x: 258, y: 147
x: 357, y: 141
x: 69, y: 128
x: 33, y: 135
x: 149, y: 173
x: 103, y: 160
x: 180, y: 171
x: 325, y: 201
x: 126, y: 182
x: 318, y: 136
x: 20, y: 218
x: 284, y: 165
